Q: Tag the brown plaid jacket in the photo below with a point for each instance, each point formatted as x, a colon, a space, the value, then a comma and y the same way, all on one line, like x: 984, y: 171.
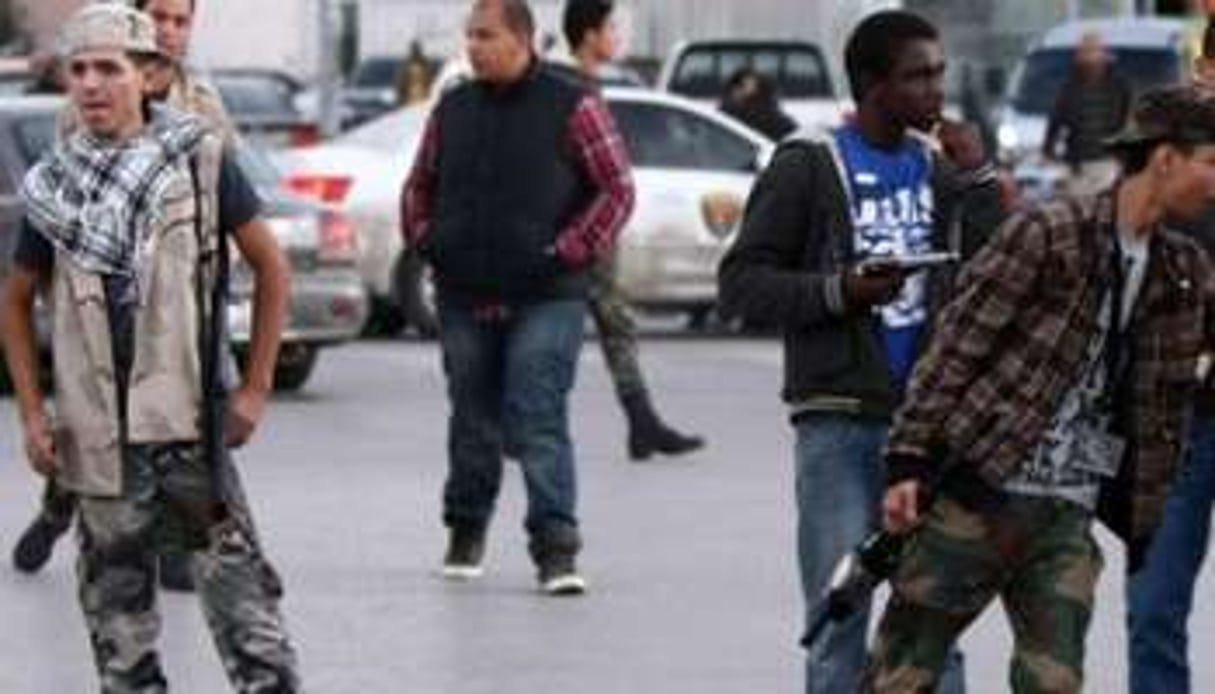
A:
x: 1008, y: 346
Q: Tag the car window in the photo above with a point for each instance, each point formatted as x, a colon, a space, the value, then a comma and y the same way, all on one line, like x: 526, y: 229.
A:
x: 246, y: 95
x: 696, y: 75
x: 34, y: 135
x: 1043, y: 73
x: 797, y: 71
x: 616, y: 75
x: 805, y: 74
x: 376, y: 72
x: 256, y: 166
x: 728, y: 63
x: 664, y: 137
x: 15, y: 84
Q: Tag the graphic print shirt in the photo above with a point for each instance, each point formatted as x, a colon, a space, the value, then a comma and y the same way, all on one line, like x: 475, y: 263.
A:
x: 892, y: 213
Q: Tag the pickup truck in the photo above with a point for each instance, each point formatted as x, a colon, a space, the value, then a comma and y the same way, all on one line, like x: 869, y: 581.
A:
x: 699, y: 70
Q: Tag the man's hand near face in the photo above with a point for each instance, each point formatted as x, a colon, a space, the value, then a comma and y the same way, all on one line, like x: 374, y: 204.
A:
x: 962, y: 144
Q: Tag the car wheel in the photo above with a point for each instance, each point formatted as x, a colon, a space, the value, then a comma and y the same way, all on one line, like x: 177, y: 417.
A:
x: 294, y: 367
x: 705, y: 318
x: 415, y: 294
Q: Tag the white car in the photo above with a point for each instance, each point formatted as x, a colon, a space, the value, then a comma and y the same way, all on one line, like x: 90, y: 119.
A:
x: 693, y: 169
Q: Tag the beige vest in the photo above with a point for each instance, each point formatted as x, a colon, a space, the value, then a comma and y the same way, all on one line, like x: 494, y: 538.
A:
x: 165, y: 385
x: 193, y: 95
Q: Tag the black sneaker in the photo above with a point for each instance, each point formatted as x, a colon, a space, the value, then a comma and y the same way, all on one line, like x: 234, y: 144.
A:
x: 465, y: 551
x: 558, y: 574
x: 34, y: 548
x: 176, y: 571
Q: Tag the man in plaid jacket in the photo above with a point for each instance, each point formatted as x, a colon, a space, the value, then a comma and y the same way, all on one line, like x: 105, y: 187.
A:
x: 1056, y: 388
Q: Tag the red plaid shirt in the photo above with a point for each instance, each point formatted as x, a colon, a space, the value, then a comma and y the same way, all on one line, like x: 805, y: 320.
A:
x: 597, y: 148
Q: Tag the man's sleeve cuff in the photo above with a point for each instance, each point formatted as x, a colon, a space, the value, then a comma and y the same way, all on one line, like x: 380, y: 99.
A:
x: 833, y: 294
x: 973, y: 178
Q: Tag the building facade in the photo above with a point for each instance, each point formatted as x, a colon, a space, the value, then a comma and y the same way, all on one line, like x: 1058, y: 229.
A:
x: 285, y: 34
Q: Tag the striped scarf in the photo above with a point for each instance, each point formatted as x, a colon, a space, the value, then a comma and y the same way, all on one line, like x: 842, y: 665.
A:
x: 99, y: 202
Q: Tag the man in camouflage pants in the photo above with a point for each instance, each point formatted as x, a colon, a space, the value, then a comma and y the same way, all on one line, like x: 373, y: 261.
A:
x: 1048, y: 601
x: 1056, y: 388
x: 126, y: 221
x: 590, y: 31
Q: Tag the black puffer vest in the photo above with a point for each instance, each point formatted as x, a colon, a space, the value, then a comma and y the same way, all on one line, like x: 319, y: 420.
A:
x: 508, y: 184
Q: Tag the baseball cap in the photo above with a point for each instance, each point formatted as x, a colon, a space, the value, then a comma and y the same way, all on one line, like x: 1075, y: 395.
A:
x: 1183, y: 114
x: 109, y: 25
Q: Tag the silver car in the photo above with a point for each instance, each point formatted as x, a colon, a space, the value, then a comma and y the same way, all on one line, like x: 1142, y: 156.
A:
x: 328, y: 302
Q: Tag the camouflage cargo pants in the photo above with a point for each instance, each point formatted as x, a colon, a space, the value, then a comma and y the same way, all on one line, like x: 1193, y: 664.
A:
x: 166, y: 487
x: 617, y: 330
x: 1037, y: 555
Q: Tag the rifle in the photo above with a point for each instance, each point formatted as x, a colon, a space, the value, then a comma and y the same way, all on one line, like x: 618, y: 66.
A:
x: 211, y: 293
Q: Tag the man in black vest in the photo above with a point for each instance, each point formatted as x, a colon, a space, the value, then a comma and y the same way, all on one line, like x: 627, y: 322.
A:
x: 521, y: 184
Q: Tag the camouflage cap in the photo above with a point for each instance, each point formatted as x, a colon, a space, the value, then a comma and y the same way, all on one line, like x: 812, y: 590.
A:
x: 111, y: 25
x: 1178, y: 114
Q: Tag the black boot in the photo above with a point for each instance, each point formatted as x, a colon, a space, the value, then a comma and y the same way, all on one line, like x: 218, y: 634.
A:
x: 648, y: 434
x: 34, y: 548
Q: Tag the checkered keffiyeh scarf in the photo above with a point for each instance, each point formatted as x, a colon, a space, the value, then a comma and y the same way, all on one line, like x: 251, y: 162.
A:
x: 99, y: 202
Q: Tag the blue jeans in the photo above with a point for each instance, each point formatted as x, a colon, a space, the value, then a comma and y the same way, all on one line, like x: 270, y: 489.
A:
x: 1160, y: 594
x: 840, y: 482
x: 508, y: 382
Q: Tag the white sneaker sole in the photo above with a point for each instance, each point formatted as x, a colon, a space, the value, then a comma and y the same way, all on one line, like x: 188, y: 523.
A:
x: 461, y: 573
x: 564, y: 585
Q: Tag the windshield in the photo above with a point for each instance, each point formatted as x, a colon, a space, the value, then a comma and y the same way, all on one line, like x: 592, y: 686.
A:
x: 1045, y: 71
x: 376, y: 72
x: 797, y: 72
x: 249, y: 95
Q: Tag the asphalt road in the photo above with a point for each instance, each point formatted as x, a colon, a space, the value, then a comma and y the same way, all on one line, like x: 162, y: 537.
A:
x: 690, y: 562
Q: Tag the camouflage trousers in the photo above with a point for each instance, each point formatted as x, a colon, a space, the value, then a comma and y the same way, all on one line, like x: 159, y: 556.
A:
x: 166, y: 494
x: 616, y: 329
x: 1036, y: 554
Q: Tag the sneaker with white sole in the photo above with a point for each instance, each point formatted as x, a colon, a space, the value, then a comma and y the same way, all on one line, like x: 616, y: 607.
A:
x: 465, y: 553
x: 558, y: 574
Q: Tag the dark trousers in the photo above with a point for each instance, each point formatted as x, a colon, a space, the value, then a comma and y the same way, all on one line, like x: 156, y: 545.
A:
x: 508, y: 382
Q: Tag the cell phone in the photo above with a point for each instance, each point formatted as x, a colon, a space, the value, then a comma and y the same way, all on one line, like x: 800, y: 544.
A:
x: 908, y: 263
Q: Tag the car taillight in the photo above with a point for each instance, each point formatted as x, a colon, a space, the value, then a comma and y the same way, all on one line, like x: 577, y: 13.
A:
x: 326, y: 188
x: 339, y: 241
